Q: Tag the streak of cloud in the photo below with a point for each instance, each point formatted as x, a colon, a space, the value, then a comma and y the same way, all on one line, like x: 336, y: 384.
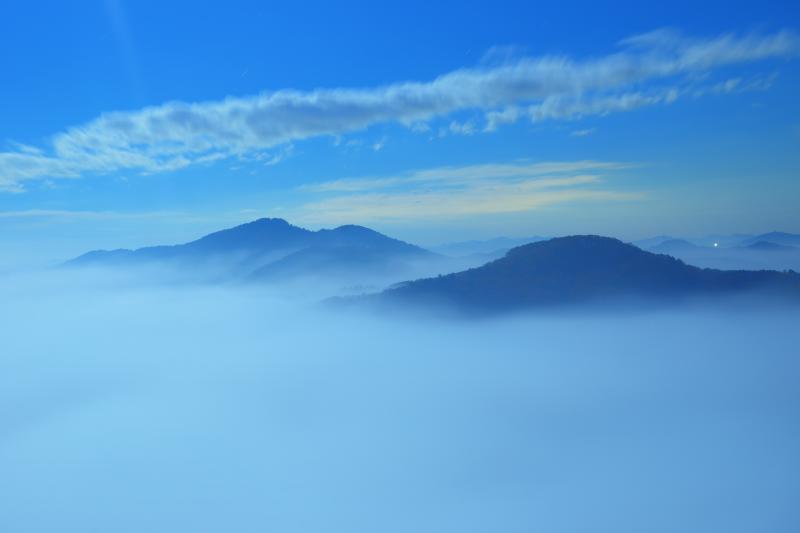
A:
x: 175, y: 135
x: 452, y: 192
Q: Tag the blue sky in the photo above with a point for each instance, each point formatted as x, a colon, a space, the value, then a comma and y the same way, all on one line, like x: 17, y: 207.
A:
x: 134, y: 123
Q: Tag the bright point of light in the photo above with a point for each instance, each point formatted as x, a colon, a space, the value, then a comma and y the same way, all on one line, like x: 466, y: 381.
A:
x: 716, y: 244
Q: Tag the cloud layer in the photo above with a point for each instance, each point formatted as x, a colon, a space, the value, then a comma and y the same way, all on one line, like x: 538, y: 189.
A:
x: 178, y: 134
x: 451, y: 192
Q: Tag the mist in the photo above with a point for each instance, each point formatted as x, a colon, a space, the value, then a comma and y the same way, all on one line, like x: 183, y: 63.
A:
x: 741, y: 259
x: 129, y: 408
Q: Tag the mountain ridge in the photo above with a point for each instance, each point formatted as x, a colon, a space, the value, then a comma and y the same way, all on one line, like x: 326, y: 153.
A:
x: 583, y: 269
x: 774, y: 237
x: 271, y: 248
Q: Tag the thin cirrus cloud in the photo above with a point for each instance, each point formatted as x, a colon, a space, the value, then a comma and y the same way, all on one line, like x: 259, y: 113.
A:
x: 178, y: 134
x: 583, y: 133
x: 452, y: 192
x: 457, y: 176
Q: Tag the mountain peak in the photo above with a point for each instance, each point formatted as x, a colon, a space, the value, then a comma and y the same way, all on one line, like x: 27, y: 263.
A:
x: 269, y: 221
x: 775, y: 237
x: 254, y: 245
x: 353, y: 228
x: 270, y: 232
x: 767, y: 246
x: 672, y: 246
x: 573, y: 241
x: 360, y: 236
x: 573, y: 247
x: 581, y: 269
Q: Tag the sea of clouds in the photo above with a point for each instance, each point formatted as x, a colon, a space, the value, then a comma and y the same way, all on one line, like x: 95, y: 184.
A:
x: 129, y: 408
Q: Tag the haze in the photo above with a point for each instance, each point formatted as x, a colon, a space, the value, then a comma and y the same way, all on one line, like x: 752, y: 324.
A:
x: 222, y: 409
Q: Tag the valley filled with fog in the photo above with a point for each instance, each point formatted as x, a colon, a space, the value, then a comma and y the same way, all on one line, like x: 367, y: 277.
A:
x: 132, y: 407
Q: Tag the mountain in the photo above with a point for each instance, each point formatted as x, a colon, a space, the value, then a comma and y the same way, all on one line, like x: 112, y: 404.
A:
x: 673, y: 246
x: 707, y: 241
x: 775, y: 237
x: 255, y: 238
x: 271, y: 249
x: 583, y: 269
x: 650, y: 242
x: 353, y: 252
x: 766, y: 246
x: 727, y: 254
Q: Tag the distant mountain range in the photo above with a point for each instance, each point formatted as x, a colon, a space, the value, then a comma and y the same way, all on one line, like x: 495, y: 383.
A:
x: 775, y: 237
x: 765, y: 246
x: 672, y: 246
x: 565, y: 270
x: 584, y: 270
x: 258, y: 238
x: 272, y: 249
x: 346, y: 251
x: 732, y: 252
x: 722, y: 241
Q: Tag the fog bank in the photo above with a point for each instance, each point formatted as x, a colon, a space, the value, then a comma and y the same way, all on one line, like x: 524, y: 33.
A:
x: 232, y: 409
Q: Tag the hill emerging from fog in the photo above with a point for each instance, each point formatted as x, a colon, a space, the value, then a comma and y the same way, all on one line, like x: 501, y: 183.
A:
x: 673, y: 246
x: 732, y: 252
x: 259, y: 237
x: 346, y: 251
x: 585, y: 270
x: 272, y: 249
x: 774, y: 237
x: 766, y: 246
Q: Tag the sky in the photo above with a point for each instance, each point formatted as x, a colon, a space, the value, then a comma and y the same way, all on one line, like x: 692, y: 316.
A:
x: 126, y: 124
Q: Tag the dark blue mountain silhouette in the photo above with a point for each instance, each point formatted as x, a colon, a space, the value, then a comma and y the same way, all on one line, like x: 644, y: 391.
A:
x: 775, y: 237
x: 258, y: 237
x: 672, y: 246
x: 272, y: 248
x: 583, y: 269
x: 346, y: 251
x: 648, y: 243
x: 766, y: 246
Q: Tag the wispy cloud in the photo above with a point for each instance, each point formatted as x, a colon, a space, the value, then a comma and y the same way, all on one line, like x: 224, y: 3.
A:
x: 178, y: 134
x: 583, y: 133
x: 461, y: 175
x: 378, y: 145
x: 460, y: 128
x: 449, y: 192
x: 439, y: 205
x: 738, y: 85
x: 570, y: 106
